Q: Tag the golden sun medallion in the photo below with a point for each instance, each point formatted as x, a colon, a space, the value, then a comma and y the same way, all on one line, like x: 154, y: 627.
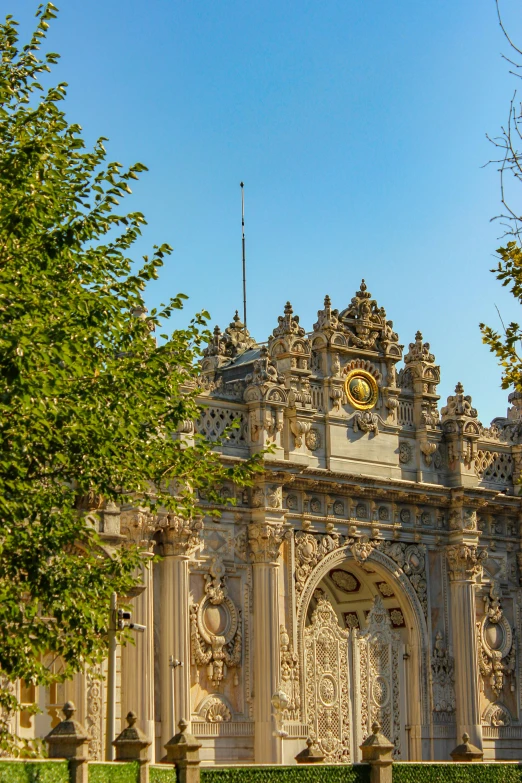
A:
x: 361, y: 389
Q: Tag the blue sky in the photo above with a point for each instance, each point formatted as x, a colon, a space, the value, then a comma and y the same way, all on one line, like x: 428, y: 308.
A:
x: 359, y: 130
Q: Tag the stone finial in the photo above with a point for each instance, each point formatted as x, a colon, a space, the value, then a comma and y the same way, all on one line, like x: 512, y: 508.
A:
x: 309, y: 755
x: 132, y: 743
x: 183, y: 748
x: 466, y: 751
x: 68, y: 739
x: 377, y: 751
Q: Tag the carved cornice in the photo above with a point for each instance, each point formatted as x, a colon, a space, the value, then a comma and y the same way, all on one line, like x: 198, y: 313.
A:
x: 265, y: 540
x: 179, y: 536
x: 465, y: 562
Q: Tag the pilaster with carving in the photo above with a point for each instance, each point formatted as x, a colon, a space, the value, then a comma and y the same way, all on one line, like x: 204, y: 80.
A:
x: 179, y: 538
x: 266, y: 533
x: 465, y: 562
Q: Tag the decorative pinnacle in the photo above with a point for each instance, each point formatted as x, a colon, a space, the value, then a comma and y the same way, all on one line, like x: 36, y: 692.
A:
x: 131, y: 718
x: 217, y: 330
x: 465, y: 738
x: 236, y: 316
x: 418, y: 336
x: 327, y: 301
x: 459, y: 388
x: 376, y: 727
x: 182, y: 725
x: 69, y: 709
x: 288, y: 309
x: 363, y: 285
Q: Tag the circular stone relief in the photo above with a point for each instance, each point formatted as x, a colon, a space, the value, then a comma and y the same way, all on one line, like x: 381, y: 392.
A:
x: 380, y: 691
x: 361, y: 389
x: 327, y: 690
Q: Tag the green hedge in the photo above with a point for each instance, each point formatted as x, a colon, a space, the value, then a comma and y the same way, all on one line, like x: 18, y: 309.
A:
x: 34, y: 772
x: 115, y: 772
x: 457, y: 773
x: 341, y: 773
x: 162, y: 774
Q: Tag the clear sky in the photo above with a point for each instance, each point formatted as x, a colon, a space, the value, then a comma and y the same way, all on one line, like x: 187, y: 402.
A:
x: 359, y: 130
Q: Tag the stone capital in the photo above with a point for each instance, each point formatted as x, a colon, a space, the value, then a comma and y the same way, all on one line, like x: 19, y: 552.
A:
x: 465, y: 562
x: 265, y: 540
x: 179, y: 536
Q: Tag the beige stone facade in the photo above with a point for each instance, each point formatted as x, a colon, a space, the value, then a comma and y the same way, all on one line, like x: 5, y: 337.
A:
x: 373, y: 572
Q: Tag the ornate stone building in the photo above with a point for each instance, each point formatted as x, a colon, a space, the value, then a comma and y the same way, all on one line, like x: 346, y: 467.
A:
x: 373, y: 571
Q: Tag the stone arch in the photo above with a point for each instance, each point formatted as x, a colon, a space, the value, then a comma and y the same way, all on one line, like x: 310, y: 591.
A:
x: 404, y: 588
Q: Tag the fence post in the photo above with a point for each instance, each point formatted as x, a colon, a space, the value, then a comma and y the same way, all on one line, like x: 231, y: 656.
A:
x: 68, y: 740
x: 133, y: 745
x: 377, y: 751
x: 466, y: 751
x: 309, y: 755
x: 183, y: 751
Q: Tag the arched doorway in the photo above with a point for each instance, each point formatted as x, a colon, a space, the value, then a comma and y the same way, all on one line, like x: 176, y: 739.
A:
x: 361, y: 633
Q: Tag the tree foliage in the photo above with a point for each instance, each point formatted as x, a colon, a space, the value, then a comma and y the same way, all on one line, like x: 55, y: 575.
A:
x: 89, y: 400
x: 506, y: 346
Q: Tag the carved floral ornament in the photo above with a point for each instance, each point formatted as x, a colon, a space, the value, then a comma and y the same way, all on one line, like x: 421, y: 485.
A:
x: 310, y: 550
x: 443, y: 677
x: 265, y: 540
x: 179, y: 536
x: 465, y: 561
x: 496, y: 644
x: 215, y: 628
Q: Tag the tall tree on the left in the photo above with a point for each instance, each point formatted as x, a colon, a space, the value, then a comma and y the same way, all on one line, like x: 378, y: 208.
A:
x: 89, y: 401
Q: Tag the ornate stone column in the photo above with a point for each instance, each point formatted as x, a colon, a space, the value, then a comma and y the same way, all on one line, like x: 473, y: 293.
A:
x: 265, y: 540
x: 464, y: 565
x: 179, y: 538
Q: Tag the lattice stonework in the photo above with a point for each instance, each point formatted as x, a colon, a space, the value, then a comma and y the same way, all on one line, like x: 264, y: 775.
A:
x: 213, y: 422
x: 494, y: 466
x: 376, y: 653
x: 326, y: 677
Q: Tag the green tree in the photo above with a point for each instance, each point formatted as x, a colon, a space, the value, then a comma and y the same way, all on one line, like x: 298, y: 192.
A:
x: 89, y: 400
x: 506, y: 346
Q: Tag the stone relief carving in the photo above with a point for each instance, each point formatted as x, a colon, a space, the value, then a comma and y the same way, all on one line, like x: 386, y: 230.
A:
x: 443, y: 677
x: 94, y: 721
x: 428, y: 449
x: 300, y: 429
x: 310, y: 549
x: 465, y: 561
x: 497, y: 715
x: 362, y: 549
x: 411, y: 558
x: 215, y: 710
x: 365, y: 421
x: 179, y: 536
x: 289, y: 677
x: 215, y: 628
x: 405, y: 453
x: 265, y: 540
x: 496, y: 644
x: 313, y: 439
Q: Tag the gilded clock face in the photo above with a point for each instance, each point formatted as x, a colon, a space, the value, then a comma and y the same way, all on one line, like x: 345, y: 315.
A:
x: 361, y: 389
